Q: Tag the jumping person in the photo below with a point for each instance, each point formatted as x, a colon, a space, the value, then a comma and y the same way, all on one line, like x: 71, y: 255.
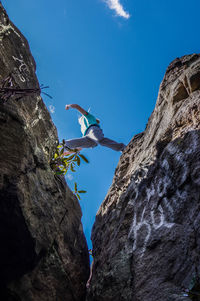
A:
x: 92, y: 133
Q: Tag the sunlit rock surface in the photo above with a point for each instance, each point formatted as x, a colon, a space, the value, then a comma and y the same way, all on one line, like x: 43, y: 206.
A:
x: 146, y: 236
x: 43, y: 252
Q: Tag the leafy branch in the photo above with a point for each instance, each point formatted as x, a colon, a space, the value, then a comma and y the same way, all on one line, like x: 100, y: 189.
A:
x: 77, y: 192
x: 90, y: 252
x: 61, y: 163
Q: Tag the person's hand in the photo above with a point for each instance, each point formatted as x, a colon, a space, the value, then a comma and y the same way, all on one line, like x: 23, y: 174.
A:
x: 67, y: 107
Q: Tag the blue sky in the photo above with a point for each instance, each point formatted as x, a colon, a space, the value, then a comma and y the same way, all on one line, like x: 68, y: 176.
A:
x: 109, y: 56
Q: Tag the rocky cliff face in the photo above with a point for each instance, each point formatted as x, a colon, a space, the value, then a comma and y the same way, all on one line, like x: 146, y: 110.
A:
x: 146, y: 236
x: 43, y: 252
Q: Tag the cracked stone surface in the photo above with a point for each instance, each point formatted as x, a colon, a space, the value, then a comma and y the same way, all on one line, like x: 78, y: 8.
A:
x: 146, y: 236
x: 43, y: 252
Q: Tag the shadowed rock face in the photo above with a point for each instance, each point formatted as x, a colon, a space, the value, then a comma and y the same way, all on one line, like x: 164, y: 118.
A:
x: 43, y: 251
x: 146, y: 236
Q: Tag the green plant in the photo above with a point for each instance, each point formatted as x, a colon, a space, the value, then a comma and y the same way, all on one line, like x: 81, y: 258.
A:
x: 90, y: 252
x: 61, y: 163
x: 77, y: 192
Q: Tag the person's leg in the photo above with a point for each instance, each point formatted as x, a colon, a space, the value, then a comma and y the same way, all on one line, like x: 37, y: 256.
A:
x: 83, y: 142
x: 112, y: 144
x: 96, y: 134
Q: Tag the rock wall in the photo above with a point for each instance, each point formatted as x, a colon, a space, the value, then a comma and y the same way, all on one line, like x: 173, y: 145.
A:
x: 146, y: 237
x: 43, y: 251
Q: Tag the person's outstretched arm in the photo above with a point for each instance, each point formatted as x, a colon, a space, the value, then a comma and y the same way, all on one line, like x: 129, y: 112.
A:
x: 75, y: 106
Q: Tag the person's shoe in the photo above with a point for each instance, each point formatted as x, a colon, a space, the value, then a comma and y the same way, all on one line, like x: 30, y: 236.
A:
x: 71, y: 151
x: 121, y: 151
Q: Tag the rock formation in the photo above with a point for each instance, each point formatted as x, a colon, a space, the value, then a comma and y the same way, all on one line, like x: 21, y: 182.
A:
x: 146, y: 237
x: 43, y: 251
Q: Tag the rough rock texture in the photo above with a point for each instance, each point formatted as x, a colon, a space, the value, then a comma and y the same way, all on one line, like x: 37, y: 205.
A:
x: 146, y: 236
x: 43, y: 251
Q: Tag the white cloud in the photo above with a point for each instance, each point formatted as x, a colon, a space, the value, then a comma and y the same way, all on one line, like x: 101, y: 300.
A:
x: 118, y: 8
x: 52, y: 109
x: 69, y: 177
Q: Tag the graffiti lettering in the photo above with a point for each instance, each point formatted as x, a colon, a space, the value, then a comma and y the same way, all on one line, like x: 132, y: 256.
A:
x: 22, y: 69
